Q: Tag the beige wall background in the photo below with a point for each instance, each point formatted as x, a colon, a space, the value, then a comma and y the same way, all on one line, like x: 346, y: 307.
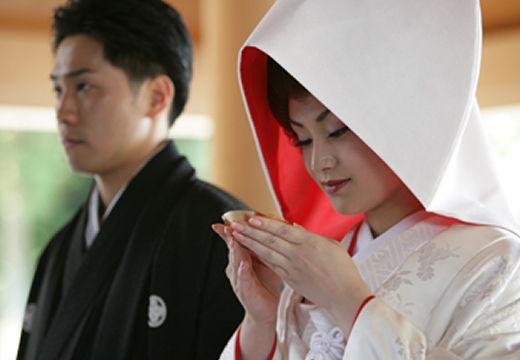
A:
x: 219, y: 28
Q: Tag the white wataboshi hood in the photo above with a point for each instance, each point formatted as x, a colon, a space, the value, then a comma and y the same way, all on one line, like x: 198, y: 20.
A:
x: 402, y: 75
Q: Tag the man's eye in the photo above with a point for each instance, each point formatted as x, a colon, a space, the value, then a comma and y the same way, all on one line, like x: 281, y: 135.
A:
x: 339, y: 132
x: 57, y: 90
x: 82, y: 86
x: 301, y: 143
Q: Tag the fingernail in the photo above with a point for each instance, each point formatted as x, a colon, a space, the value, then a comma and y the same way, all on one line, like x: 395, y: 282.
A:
x: 238, y: 236
x: 255, y: 222
x: 237, y: 226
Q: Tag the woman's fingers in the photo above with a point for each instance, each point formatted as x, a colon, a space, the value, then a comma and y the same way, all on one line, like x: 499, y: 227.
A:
x: 278, y: 229
x: 274, y: 242
x: 219, y: 229
x: 270, y: 257
x: 256, y: 286
x: 258, y: 234
x: 231, y: 270
x: 270, y: 233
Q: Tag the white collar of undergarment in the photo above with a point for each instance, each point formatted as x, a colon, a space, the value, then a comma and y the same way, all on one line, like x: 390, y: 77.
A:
x: 93, y: 224
x: 366, y: 244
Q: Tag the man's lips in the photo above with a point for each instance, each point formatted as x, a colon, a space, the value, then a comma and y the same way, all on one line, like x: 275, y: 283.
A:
x: 70, y: 141
x: 333, y: 186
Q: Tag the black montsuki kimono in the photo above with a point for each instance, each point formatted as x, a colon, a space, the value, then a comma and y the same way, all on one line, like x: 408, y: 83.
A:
x: 151, y: 286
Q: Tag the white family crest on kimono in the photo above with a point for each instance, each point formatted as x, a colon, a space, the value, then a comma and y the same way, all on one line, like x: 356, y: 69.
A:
x: 157, y: 311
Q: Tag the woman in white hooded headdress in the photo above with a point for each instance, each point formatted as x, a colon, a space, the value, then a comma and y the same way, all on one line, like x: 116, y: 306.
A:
x: 401, y: 244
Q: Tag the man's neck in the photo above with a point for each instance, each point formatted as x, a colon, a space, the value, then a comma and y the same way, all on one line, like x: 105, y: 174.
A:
x: 109, y: 184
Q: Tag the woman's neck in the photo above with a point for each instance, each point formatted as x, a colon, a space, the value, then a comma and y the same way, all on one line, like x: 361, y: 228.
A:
x: 390, y: 213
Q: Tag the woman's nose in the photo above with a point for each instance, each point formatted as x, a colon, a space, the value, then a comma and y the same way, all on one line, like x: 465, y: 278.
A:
x: 322, y: 158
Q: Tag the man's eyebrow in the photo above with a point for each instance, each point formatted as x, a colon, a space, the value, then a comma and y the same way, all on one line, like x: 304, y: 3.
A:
x: 71, y: 74
x: 319, y: 118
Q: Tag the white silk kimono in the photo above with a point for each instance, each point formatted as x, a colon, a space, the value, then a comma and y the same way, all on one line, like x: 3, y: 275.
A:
x: 443, y: 290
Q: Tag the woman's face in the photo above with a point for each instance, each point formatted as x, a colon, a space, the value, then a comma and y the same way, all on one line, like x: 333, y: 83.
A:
x: 354, y: 178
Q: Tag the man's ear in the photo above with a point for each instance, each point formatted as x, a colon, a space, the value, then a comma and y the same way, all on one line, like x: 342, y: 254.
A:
x: 161, y: 93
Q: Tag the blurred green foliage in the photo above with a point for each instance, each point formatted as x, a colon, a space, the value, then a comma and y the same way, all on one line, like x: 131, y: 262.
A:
x: 33, y: 166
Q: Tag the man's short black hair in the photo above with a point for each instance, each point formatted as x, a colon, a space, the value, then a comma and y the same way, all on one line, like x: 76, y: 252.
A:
x: 144, y: 38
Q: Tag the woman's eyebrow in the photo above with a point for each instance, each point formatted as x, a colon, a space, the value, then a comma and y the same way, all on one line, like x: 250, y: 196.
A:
x: 323, y: 115
x: 319, y: 118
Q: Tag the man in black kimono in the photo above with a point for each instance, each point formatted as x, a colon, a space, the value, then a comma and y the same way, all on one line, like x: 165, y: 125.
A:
x: 138, y: 272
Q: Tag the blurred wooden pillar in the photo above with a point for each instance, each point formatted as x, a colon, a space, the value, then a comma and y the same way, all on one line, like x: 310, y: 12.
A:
x: 499, y: 83
x: 225, y: 25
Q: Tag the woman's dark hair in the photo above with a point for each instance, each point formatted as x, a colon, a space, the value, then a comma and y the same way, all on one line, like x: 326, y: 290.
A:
x: 144, y: 38
x: 281, y: 86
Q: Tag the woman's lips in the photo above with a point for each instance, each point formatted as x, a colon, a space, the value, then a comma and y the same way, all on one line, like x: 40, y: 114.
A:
x: 333, y: 186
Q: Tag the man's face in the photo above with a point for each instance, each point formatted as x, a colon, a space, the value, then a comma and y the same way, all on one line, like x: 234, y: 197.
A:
x: 101, y: 117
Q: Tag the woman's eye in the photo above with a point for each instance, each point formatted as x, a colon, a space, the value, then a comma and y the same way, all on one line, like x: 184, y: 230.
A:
x: 339, y: 132
x: 300, y: 143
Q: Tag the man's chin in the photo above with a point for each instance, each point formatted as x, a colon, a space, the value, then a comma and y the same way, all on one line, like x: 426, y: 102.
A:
x: 80, y: 169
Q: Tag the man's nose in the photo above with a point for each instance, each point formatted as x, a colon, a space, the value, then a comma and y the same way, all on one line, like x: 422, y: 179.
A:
x: 66, y: 109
